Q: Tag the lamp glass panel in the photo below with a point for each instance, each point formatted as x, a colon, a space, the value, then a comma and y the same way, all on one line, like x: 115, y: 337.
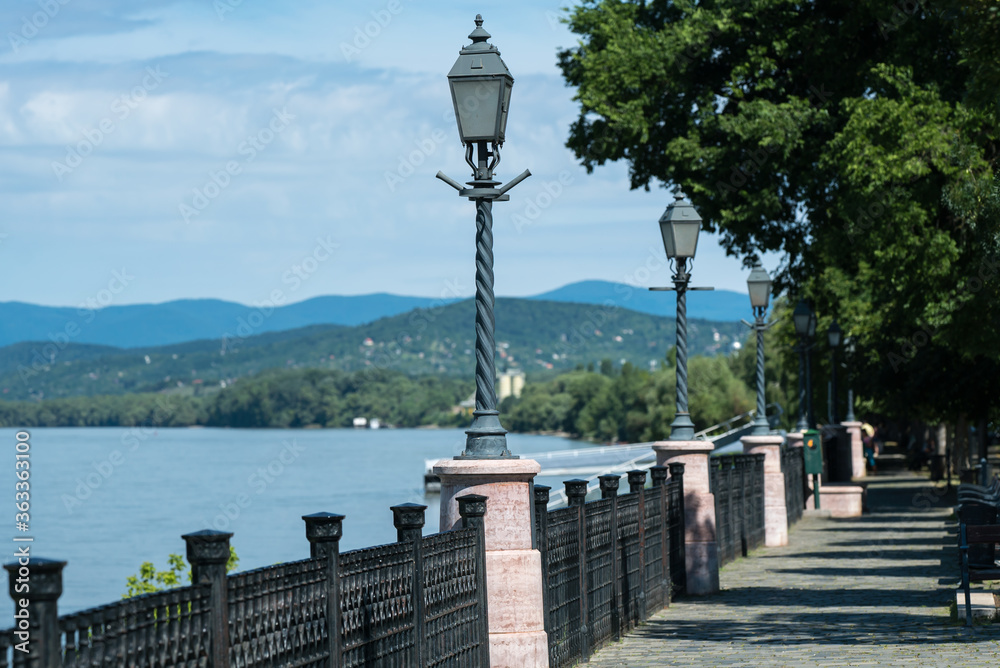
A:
x: 800, y: 317
x: 760, y: 293
x: 686, y: 237
x: 834, y: 335
x: 505, y: 108
x: 812, y: 324
x: 477, y: 103
x: 668, y: 238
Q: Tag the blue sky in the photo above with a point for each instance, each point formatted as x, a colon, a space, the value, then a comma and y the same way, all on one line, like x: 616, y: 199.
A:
x: 278, y: 124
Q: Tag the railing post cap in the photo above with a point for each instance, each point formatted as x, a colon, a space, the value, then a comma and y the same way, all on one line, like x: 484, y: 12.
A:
x: 542, y: 493
x: 324, y: 526
x: 408, y: 516
x: 208, y: 546
x: 45, y: 576
x: 609, y: 481
x: 471, y: 505
x: 636, y: 474
x: 38, y: 565
x: 576, y: 487
x: 676, y: 468
x: 658, y: 474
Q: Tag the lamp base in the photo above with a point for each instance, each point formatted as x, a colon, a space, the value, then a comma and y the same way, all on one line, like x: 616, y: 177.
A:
x: 761, y: 427
x: 486, y: 438
x: 682, y: 429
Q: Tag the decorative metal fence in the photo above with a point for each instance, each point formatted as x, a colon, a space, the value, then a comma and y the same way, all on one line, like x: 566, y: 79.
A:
x: 609, y: 564
x: 738, y: 484
x: 418, y: 602
x: 793, y: 467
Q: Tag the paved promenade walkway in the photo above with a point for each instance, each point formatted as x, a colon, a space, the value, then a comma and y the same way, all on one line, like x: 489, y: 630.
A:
x: 872, y: 591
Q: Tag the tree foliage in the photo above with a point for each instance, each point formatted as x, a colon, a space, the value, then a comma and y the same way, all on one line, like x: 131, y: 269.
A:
x: 858, y: 138
x: 149, y: 579
x: 629, y: 405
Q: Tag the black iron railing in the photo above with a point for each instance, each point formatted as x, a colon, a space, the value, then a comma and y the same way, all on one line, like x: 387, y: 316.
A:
x: 793, y: 467
x: 737, y: 481
x: 609, y: 564
x: 164, y: 628
x: 418, y: 602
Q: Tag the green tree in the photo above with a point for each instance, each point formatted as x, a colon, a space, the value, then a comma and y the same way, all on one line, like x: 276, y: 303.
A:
x: 859, y: 138
x: 149, y: 579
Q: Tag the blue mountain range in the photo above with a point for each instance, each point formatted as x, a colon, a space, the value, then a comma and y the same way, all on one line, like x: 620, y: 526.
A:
x: 141, y: 325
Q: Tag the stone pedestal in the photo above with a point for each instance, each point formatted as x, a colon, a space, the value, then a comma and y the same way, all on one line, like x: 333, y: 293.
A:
x: 775, y: 511
x: 842, y: 499
x: 857, y: 449
x: 701, y: 551
x: 513, y: 568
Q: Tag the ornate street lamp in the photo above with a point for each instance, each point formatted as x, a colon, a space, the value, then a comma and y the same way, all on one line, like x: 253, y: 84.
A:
x: 834, y: 337
x: 480, y: 90
x: 801, y: 317
x: 679, y: 227
x: 759, y: 286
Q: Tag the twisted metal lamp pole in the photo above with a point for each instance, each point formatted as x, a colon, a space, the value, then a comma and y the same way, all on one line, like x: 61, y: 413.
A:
x: 480, y: 83
x: 803, y: 422
x: 682, y: 428
x: 679, y: 226
x: 759, y: 285
x: 761, y: 427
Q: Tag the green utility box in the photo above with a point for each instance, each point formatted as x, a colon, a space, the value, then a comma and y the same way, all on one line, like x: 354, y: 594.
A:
x: 812, y: 452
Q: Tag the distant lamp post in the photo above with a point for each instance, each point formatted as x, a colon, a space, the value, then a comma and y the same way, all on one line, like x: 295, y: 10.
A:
x: 801, y: 318
x: 834, y: 337
x: 480, y: 90
x: 679, y: 227
x: 759, y: 286
x: 849, y: 344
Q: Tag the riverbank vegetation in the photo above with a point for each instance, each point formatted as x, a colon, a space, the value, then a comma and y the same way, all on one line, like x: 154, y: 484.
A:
x: 277, y: 399
x: 612, y: 403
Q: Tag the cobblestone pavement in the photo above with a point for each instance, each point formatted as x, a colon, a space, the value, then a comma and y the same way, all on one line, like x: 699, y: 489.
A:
x: 871, y: 591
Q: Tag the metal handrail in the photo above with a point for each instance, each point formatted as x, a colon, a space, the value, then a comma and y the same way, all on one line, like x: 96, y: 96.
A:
x: 559, y: 496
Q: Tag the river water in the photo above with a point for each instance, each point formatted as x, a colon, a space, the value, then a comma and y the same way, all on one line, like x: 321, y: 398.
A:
x: 107, y: 499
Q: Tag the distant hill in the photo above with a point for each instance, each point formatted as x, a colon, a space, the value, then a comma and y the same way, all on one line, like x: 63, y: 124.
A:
x: 717, y: 305
x: 139, y: 325
x: 144, y: 325
x: 533, y: 335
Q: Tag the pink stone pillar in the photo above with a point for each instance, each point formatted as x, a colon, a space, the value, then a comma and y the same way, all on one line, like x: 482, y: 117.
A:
x: 775, y: 511
x: 701, y: 551
x: 513, y: 568
x: 857, y: 449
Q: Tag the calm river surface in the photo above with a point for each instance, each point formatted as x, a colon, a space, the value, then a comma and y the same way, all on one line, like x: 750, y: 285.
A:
x: 107, y: 499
